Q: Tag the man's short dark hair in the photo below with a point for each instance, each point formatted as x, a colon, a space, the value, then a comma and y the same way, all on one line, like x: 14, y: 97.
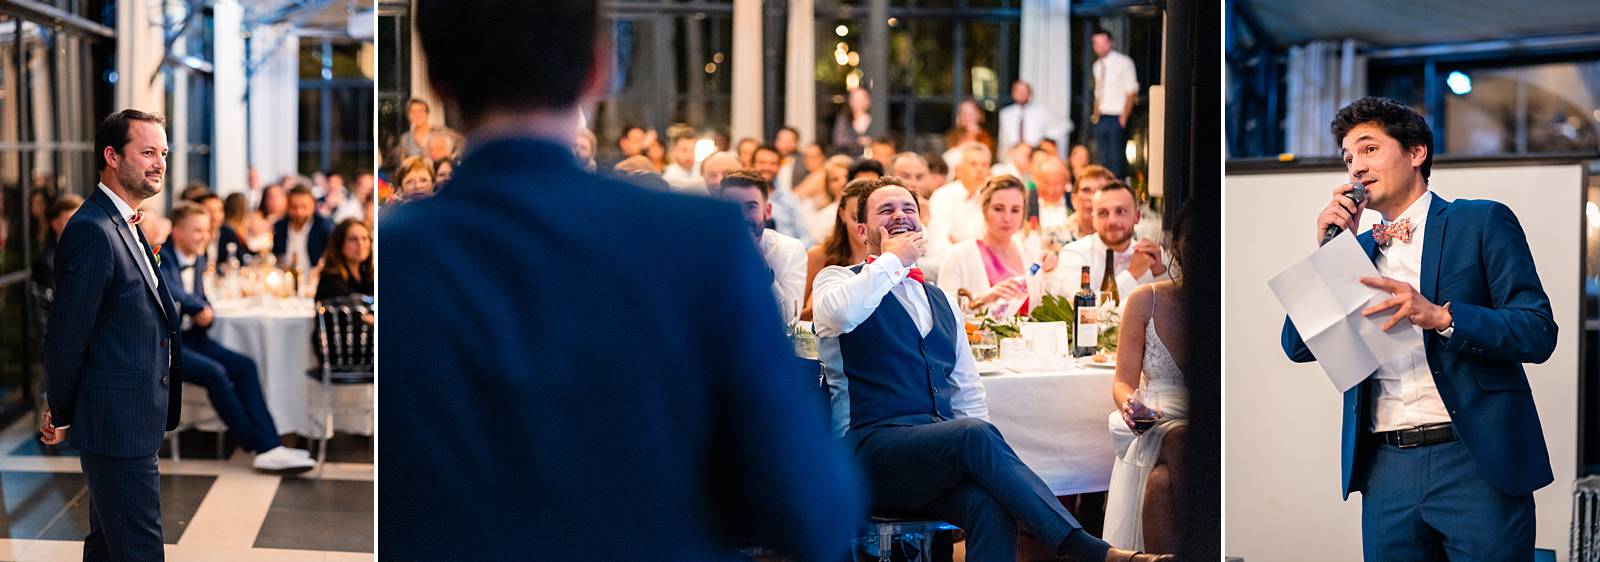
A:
x: 746, y: 178
x: 865, y: 165
x: 768, y: 148
x: 301, y: 190
x: 1395, y: 118
x: 1103, y: 31
x: 419, y: 101
x: 789, y: 128
x: 868, y: 187
x: 113, y: 131
x: 481, y: 55
x: 186, y: 210
x: 201, y: 199
x: 1117, y: 184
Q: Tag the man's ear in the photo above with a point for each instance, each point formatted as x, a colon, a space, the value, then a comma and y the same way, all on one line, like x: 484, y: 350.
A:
x: 1419, y: 154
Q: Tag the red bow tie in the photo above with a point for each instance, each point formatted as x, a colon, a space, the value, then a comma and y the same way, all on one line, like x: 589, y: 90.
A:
x: 1397, y: 230
x: 138, y: 217
x: 915, y: 272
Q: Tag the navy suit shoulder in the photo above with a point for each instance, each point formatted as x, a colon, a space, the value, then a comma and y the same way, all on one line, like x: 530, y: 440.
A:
x: 584, y: 336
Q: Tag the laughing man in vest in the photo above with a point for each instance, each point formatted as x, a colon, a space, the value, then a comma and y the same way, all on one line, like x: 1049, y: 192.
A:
x: 906, y: 398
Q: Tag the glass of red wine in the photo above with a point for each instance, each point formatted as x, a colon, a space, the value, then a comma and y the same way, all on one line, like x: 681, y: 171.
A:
x: 1144, y: 408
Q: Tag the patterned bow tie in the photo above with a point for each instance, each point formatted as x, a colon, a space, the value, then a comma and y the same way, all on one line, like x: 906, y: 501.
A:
x: 915, y: 274
x: 138, y: 217
x: 1400, y: 230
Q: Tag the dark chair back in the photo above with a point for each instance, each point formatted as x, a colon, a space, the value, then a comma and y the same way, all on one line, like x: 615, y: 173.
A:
x: 346, y: 339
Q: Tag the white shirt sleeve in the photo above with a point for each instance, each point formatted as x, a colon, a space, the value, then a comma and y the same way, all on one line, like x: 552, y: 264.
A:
x: 791, y: 273
x: 841, y: 300
x: 969, y: 400
x: 1129, y: 76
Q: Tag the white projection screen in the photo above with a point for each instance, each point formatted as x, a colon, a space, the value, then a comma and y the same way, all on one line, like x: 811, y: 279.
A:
x: 1282, y: 419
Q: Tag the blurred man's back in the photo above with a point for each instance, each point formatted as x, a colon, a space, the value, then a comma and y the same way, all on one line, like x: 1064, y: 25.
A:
x: 575, y: 368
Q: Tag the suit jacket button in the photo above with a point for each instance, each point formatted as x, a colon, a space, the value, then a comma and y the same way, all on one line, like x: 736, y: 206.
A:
x: 164, y: 379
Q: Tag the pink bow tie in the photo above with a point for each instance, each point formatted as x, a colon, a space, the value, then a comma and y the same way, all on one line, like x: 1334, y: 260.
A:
x: 138, y: 217
x: 1397, y: 230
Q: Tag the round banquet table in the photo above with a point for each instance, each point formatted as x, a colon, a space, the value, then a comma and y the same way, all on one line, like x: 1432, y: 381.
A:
x: 276, y: 334
x: 1056, y: 422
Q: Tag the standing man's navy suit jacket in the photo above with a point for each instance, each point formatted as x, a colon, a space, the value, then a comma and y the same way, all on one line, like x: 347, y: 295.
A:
x: 111, y: 360
x: 575, y: 368
x: 316, y: 241
x: 1474, y: 256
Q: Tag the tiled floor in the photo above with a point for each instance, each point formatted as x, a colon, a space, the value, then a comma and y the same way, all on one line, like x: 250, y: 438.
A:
x: 211, y: 508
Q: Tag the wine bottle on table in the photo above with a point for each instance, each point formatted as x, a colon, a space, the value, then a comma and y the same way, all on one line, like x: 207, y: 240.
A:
x: 1108, y: 282
x: 1087, y: 334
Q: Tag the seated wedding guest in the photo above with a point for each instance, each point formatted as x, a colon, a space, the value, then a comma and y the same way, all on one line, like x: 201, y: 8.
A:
x: 844, y: 245
x: 56, y: 216
x: 1017, y: 159
x: 906, y: 398
x: 416, y: 178
x: 583, y: 146
x: 968, y: 128
x: 993, y: 268
x: 193, y: 192
x: 953, y: 209
x: 299, y: 238
x: 230, y: 379
x: 1048, y: 146
x: 443, y: 147
x: 819, y: 194
x: 746, y: 150
x: 1078, y: 160
x: 866, y: 169
x: 884, y: 149
x: 811, y: 159
x: 347, y: 267
x: 1086, y: 183
x: 225, y: 241
x: 714, y: 166
x: 657, y: 153
x: 939, y: 169
x: 441, y: 173
x: 912, y: 169
x: 850, y: 126
x: 360, y: 189
x: 785, y: 256
x: 682, y: 174
x: 609, y: 358
x: 274, y: 202
x: 787, y: 215
x: 1051, y: 183
x: 415, y: 141
x: 996, y: 268
x: 1139, y: 506
x: 1112, y: 249
x: 254, y: 231
x: 790, y: 169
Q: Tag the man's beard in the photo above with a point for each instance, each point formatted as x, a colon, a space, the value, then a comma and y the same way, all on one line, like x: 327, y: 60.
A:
x: 756, y: 229
x: 139, y: 186
x: 1105, y: 236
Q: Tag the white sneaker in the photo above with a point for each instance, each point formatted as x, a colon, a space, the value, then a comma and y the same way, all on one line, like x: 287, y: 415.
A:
x: 302, y: 452
x: 282, y: 460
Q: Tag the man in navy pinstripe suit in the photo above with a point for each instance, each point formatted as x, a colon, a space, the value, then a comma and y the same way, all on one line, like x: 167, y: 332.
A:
x: 111, y: 359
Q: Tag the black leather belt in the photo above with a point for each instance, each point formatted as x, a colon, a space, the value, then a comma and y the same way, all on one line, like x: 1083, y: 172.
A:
x: 1417, y: 436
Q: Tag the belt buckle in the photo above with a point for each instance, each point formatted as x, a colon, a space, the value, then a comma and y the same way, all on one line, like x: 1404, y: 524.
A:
x: 1401, y: 437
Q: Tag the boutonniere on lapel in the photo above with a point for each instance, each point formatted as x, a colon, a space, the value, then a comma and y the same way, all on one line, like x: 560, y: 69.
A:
x: 156, y: 253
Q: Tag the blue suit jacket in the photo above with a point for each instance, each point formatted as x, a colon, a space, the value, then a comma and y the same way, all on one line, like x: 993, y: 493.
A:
x: 1474, y: 256
x: 594, y: 371
x: 190, y: 300
x: 111, y: 359
x: 316, y: 240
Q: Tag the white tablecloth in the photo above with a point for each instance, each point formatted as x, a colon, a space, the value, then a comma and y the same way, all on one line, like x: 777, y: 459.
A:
x: 277, y: 335
x: 1056, y: 421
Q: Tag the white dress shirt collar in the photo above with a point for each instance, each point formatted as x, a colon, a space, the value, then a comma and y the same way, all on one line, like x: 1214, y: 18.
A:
x: 122, y: 206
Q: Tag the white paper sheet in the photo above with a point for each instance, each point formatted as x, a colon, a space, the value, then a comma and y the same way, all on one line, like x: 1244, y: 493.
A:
x: 1324, y: 297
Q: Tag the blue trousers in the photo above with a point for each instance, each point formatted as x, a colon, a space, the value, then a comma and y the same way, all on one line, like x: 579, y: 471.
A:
x: 962, y: 471
x: 234, y: 387
x: 1428, y: 503
x: 124, y: 508
x: 1111, y: 145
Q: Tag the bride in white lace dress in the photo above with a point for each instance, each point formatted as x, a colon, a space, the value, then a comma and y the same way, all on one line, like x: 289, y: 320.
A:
x: 1152, y: 333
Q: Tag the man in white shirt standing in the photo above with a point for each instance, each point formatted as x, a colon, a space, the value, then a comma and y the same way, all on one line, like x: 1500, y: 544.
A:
x: 1116, y: 90
x: 905, y: 396
x: 1112, y: 250
x: 1026, y: 122
x: 785, y: 256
